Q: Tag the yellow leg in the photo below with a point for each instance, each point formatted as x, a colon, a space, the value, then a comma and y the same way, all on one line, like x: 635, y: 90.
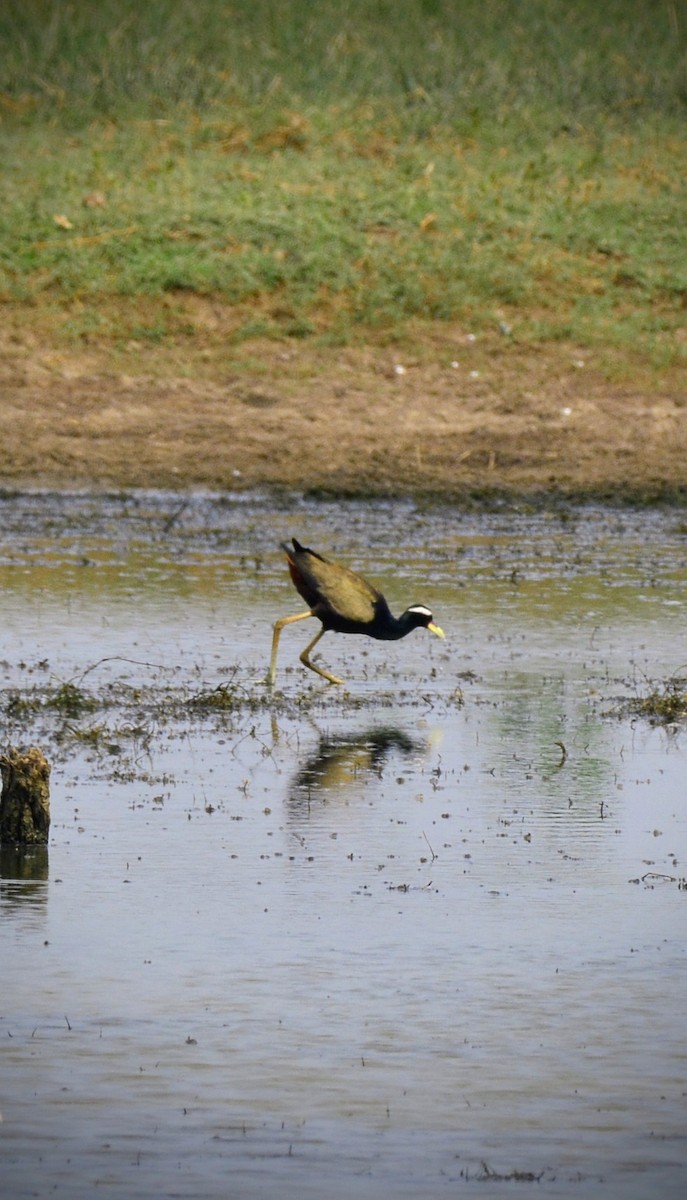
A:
x: 305, y: 659
x: 278, y: 626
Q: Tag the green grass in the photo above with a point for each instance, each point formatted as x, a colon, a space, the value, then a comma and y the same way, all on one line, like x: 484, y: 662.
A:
x: 473, y: 58
x: 344, y: 170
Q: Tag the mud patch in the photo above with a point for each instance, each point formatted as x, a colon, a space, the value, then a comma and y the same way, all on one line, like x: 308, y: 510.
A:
x: 461, y: 417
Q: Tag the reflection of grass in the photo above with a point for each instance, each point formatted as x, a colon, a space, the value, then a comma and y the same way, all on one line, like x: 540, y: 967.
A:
x: 346, y: 170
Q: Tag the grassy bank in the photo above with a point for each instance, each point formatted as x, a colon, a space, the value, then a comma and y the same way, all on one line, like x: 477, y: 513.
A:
x: 469, y: 60
x: 347, y: 171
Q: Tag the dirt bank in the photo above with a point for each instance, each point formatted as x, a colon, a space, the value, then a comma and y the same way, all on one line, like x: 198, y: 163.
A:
x: 463, y: 416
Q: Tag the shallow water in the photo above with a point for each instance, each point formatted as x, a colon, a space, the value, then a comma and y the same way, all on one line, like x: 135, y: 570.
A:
x: 406, y: 938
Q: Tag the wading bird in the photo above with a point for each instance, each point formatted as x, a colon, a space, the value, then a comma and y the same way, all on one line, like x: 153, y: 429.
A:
x: 345, y: 603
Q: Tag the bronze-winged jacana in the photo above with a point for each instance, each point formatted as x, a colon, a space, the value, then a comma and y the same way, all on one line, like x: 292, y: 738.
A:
x: 345, y: 603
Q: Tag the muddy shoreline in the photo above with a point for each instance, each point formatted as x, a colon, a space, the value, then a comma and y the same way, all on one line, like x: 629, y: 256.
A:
x: 464, y: 421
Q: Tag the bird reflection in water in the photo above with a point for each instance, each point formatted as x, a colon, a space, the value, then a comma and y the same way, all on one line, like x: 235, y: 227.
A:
x: 344, y: 760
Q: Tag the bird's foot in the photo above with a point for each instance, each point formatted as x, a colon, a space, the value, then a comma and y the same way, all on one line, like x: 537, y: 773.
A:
x: 319, y: 670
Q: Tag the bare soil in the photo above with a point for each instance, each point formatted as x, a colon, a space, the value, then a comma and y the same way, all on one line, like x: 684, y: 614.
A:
x: 463, y: 417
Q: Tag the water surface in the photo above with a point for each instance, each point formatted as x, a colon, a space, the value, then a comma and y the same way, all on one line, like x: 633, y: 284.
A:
x: 413, y: 937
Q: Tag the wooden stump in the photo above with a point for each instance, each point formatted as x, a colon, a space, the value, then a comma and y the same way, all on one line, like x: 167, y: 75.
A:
x: 25, y: 799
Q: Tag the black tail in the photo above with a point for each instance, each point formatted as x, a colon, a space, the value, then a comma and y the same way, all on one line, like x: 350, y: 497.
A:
x: 300, y: 550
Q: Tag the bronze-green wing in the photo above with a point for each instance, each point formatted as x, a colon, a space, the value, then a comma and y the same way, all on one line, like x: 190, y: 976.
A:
x: 329, y: 587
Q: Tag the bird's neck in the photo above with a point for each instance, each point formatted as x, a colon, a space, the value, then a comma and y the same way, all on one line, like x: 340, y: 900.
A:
x: 391, y: 628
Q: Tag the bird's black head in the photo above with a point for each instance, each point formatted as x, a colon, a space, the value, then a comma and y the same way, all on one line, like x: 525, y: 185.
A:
x: 417, y: 616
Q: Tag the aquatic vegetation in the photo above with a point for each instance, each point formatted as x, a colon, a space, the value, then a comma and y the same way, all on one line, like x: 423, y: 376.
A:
x: 663, y: 705
x: 71, y: 701
x: 17, y: 705
x: 227, y: 697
